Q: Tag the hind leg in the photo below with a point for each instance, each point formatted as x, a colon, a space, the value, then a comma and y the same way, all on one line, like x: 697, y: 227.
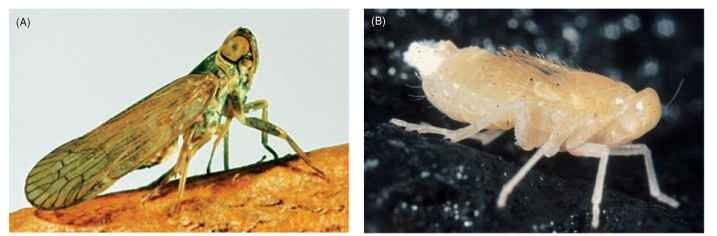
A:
x: 488, y: 136
x: 180, y: 168
x: 457, y: 135
x: 484, y: 137
x: 159, y: 184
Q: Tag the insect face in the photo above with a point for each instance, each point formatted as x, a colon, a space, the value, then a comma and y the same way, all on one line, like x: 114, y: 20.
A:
x: 235, y: 48
x: 641, y: 113
x: 240, y: 49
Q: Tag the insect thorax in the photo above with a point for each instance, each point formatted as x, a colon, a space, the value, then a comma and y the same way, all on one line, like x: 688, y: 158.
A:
x: 207, y: 66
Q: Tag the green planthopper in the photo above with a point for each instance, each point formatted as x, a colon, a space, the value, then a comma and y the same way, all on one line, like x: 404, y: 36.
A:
x: 193, y: 108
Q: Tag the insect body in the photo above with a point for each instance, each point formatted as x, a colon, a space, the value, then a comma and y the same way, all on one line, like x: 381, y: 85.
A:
x: 195, y: 107
x: 551, y: 107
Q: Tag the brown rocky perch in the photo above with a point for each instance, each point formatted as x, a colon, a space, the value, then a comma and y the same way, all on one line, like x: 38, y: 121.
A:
x: 283, y: 195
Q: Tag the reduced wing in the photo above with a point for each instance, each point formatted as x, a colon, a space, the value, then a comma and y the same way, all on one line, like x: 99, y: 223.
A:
x: 82, y: 168
x: 543, y: 66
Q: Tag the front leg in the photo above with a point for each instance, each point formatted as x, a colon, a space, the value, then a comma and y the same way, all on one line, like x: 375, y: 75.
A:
x: 268, y: 127
x: 264, y: 106
x: 644, y: 151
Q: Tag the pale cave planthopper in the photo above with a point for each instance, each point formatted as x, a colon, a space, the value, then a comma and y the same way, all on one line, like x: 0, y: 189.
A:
x: 552, y: 107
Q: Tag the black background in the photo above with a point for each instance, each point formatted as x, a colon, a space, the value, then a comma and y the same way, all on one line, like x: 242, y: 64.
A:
x: 607, y: 44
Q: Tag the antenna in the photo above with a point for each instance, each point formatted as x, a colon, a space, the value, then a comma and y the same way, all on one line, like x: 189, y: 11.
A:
x: 667, y: 107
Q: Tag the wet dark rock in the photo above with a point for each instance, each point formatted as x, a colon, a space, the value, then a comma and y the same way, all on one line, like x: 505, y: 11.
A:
x: 664, y: 47
x: 426, y: 184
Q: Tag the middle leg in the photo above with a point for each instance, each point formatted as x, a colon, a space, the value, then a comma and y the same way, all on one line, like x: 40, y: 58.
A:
x: 601, y: 152
x: 549, y: 148
x: 222, y: 134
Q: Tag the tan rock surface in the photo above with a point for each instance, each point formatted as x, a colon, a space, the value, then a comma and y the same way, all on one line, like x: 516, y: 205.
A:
x: 278, y: 196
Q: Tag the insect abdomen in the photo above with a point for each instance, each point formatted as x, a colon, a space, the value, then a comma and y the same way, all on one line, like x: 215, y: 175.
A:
x: 470, y: 84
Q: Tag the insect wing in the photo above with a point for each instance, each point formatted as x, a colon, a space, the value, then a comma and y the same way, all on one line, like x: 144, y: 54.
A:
x: 545, y: 67
x: 80, y: 169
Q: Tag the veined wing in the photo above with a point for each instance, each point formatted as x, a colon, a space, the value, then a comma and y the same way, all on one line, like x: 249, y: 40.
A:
x: 82, y: 168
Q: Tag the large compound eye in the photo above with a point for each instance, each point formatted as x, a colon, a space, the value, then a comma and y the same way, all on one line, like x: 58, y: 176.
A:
x: 247, y: 63
x: 234, y: 48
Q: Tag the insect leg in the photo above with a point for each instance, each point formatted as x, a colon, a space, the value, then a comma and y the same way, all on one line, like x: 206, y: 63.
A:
x: 229, y: 115
x: 226, y: 149
x: 272, y: 129
x: 500, y: 113
x: 597, y: 192
x: 601, y: 152
x: 192, y: 141
x: 211, y: 154
x: 222, y: 134
x: 465, y: 132
x: 159, y: 184
x: 642, y: 149
x: 510, y: 185
x: 175, y: 170
x: 422, y: 128
x: 181, y: 167
x: 549, y: 148
x: 264, y: 106
x: 484, y: 137
x: 487, y: 136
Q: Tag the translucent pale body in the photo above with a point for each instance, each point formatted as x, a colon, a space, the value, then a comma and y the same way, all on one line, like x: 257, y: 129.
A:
x: 551, y: 107
x: 468, y: 84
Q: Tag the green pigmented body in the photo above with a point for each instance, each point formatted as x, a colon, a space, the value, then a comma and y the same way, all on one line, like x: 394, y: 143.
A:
x: 196, y: 108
